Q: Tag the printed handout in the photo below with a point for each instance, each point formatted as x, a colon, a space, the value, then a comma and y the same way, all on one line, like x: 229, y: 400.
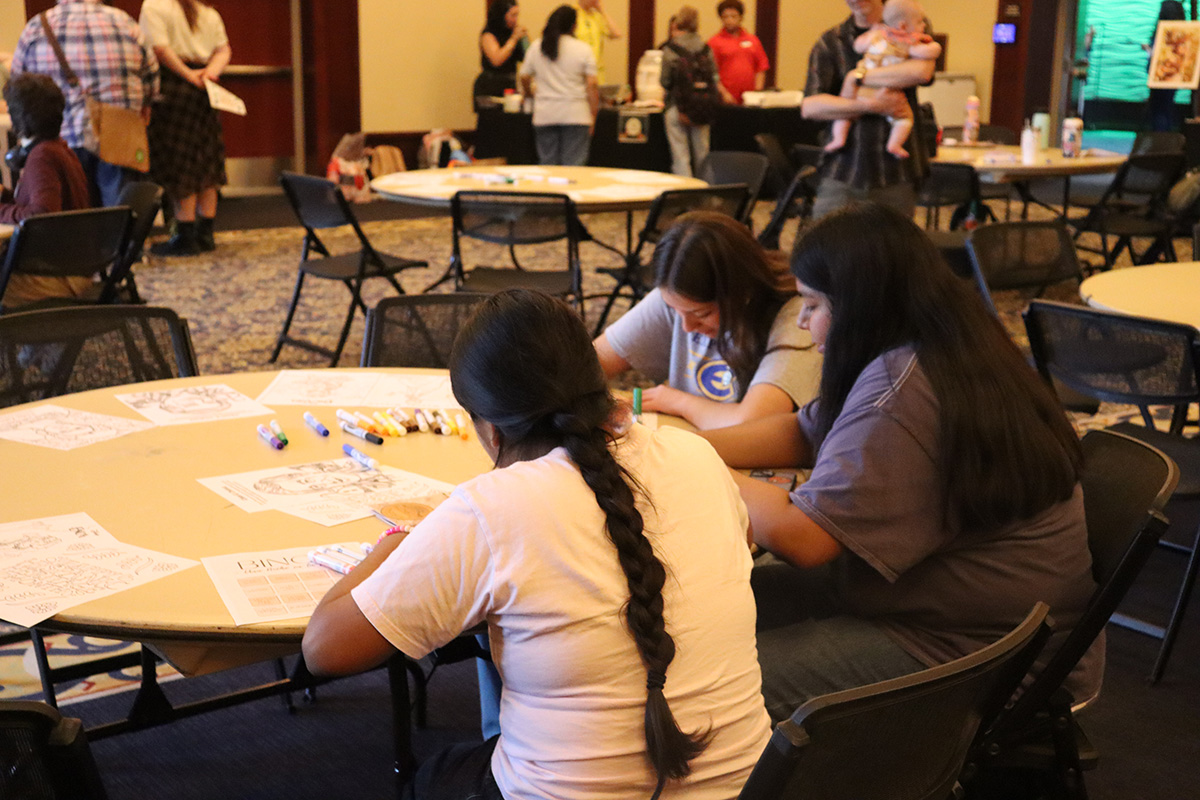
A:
x: 193, y: 404
x: 64, y: 428
x: 313, y: 387
x: 269, y: 585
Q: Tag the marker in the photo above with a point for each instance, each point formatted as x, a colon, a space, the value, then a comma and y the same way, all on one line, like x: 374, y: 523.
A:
x: 361, y: 458
x: 366, y: 436
x: 399, y: 427
x: 322, y: 560
x: 349, y: 552
x: 367, y: 424
x: 336, y: 556
x: 367, y: 547
x: 315, y: 424
x: 462, y: 427
x: 450, y: 421
x: 387, y: 426
x: 637, y: 404
x: 440, y: 423
x: 400, y: 414
x: 422, y: 423
x: 346, y: 416
x: 278, y: 431
x: 265, y: 434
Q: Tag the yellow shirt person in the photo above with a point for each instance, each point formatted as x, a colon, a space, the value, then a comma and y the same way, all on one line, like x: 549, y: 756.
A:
x: 592, y: 27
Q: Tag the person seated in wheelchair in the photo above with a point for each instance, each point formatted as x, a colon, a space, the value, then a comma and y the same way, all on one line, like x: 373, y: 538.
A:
x: 47, y: 176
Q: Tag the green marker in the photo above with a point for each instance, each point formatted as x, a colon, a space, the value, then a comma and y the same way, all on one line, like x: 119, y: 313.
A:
x: 278, y: 431
x: 637, y: 405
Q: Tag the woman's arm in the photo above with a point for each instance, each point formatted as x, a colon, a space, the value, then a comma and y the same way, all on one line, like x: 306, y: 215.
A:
x: 593, y: 96
x: 498, y: 53
x: 217, y: 63
x: 610, y: 361
x: 761, y: 400
x: 168, y: 58
x: 613, y: 31
x: 774, y: 441
x: 779, y: 526
x: 340, y: 640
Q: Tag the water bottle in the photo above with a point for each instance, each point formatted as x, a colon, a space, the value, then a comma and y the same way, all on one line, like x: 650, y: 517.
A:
x: 1029, y: 144
x: 1072, y: 137
x: 970, y: 134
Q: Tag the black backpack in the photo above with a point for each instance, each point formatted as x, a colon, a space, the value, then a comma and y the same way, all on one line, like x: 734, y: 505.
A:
x: 693, y: 90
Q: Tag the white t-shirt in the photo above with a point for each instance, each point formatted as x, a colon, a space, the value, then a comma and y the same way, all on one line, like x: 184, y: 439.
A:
x: 561, y: 95
x: 526, y: 549
x: 164, y: 24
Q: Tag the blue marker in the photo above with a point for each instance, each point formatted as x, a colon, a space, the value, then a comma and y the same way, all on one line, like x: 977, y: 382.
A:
x: 361, y: 458
x: 315, y: 423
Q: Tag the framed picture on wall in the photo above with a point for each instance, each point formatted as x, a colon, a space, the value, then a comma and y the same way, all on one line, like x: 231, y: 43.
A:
x: 1175, y: 60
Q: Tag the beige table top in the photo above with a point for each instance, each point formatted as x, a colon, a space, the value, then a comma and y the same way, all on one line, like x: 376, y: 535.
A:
x: 592, y: 188
x: 1002, y: 163
x: 1159, y: 291
x: 143, y: 489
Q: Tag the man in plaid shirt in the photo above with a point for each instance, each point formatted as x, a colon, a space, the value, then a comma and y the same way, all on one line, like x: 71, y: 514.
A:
x: 105, y: 48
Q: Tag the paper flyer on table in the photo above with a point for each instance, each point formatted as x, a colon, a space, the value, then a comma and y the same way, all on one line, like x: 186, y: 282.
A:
x: 194, y: 404
x: 327, y: 492
x: 412, y: 391
x: 50, y: 564
x: 222, y: 99
x: 319, y: 387
x: 270, y: 585
x: 65, y: 428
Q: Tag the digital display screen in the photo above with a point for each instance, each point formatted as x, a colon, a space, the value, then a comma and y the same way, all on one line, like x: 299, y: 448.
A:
x: 1004, y: 33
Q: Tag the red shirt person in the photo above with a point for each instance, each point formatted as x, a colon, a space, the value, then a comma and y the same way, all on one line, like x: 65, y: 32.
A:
x: 741, y: 60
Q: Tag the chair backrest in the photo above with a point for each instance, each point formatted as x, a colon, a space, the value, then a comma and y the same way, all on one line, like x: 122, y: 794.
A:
x: 807, y: 155
x: 44, y: 755
x: 1021, y: 255
x: 1114, y: 357
x: 144, y: 198
x: 950, y: 184
x: 768, y: 144
x: 61, y: 350
x: 722, y: 167
x: 514, y: 218
x: 1149, y: 177
x: 318, y: 202
x: 1126, y: 484
x: 416, y: 330
x: 798, y: 191
x: 1148, y: 142
x: 902, y: 739
x: 68, y: 243
x: 730, y: 200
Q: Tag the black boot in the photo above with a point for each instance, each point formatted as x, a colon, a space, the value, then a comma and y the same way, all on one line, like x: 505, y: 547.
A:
x: 182, y: 241
x: 204, y: 234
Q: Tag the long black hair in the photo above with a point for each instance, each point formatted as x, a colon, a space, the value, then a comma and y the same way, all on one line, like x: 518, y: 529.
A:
x: 525, y: 364
x: 1007, y: 451
x: 561, y: 23
x: 496, y: 24
x: 711, y: 258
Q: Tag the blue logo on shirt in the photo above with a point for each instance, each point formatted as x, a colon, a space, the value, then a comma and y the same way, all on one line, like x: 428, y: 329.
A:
x: 715, y: 380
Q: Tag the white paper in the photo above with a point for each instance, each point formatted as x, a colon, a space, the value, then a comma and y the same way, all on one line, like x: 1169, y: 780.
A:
x: 269, y: 585
x: 222, y: 99
x: 51, y: 564
x: 327, y: 492
x: 411, y: 391
x: 64, y: 428
x: 194, y: 404
x: 319, y: 387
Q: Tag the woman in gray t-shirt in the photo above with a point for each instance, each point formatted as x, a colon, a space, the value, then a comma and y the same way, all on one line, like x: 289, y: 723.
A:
x: 719, y: 330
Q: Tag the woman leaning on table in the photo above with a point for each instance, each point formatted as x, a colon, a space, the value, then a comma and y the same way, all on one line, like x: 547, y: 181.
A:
x: 718, y: 331
x: 944, y: 499
x: 502, y: 46
x: 559, y: 72
x: 187, y: 151
x: 610, y: 565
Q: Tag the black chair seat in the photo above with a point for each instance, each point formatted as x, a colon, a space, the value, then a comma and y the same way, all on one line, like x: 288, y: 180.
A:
x: 346, y: 266
x: 488, y: 280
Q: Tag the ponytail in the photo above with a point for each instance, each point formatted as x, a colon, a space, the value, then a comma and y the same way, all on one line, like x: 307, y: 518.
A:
x: 190, y: 12
x: 561, y: 23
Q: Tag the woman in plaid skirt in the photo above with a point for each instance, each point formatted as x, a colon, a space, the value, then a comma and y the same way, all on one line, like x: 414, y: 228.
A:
x: 187, y: 152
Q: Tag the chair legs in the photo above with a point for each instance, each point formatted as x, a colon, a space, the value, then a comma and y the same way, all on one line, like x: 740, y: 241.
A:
x: 287, y: 322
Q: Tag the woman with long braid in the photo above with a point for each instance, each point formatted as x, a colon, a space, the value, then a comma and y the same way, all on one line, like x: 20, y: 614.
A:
x: 611, y: 567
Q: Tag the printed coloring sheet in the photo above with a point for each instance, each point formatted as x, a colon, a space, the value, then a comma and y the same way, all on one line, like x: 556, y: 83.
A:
x: 193, y: 404
x: 346, y: 388
x: 325, y: 492
x: 269, y: 585
x: 412, y: 391
x: 51, y: 564
x: 64, y: 428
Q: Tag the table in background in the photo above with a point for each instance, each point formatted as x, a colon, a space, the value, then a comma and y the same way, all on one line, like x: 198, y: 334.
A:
x: 1168, y: 292
x: 1002, y: 164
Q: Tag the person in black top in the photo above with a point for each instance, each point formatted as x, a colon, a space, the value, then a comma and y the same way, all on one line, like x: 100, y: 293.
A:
x: 863, y: 170
x: 502, y: 46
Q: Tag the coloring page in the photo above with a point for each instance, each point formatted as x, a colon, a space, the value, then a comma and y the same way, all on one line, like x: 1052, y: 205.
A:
x: 51, y: 564
x: 319, y: 387
x: 193, y: 404
x: 412, y: 391
x: 269, y: 585
x: 65, y: 428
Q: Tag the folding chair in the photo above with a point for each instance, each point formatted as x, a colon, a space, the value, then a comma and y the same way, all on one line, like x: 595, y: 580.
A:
x: 416, y: 330
x: 901, y: 739
x: 1036, y: 744
x: 955, y: 185
x: 1144, y: 362
x: 144, y: 199
x: 85, y: 243
x: 319, y: 205
x: 795, y: 201
x: 723, y: 167
x: 517, y: 219
x: 45, y: 755
x: 635, y: 278
x: 1022, y: 255
x: 782, y: 167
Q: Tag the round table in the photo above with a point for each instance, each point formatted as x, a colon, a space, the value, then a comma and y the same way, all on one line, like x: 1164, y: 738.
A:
x: 1002, y: 163
x: 1160, y: 291
x: 142, y: 488
x: 592, y: 188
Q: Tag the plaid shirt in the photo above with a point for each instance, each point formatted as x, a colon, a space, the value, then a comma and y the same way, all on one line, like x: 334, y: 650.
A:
x: 105, y: 48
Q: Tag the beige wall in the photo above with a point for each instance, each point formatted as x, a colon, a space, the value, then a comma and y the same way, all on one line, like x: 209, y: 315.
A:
x: 12, y: 20
x: 710, y: 23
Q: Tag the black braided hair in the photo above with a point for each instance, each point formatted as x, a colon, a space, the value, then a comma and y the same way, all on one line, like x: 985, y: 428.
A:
x: 525, y: 364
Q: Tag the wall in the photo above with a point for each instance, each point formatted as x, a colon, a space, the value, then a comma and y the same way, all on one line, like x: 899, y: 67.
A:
x: 710, y: 23
x: 12, y: 20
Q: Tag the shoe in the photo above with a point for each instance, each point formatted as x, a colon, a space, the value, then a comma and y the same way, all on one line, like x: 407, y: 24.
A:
x: 182, y: 242
x: 204, y: 234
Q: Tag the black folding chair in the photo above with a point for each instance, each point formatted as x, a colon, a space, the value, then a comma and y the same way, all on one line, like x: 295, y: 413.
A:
x: 144, y: 199
x: 902, y: 739
x: 724, y: 167
x: 416, y: 330
x: 1022, y: 255
x: 1036, y: 747
x: 1144, y: 362
x: 635, y: 278
x: 320, y: 205
x: 45, y: 755
x: 795, y: 201
x: 89, y: 244
x: 957, y: 186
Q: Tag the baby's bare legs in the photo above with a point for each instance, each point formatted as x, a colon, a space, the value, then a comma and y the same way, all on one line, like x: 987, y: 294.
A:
x: 901, y: 128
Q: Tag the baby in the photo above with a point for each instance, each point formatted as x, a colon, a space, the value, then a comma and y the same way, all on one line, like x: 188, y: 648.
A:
x: 900, y: 36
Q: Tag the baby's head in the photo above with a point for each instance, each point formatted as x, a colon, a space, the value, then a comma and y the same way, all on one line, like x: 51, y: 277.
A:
x: 906, y: 16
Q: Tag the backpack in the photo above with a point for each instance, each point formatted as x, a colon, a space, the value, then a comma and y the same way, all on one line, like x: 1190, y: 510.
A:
x: 693, y: 90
